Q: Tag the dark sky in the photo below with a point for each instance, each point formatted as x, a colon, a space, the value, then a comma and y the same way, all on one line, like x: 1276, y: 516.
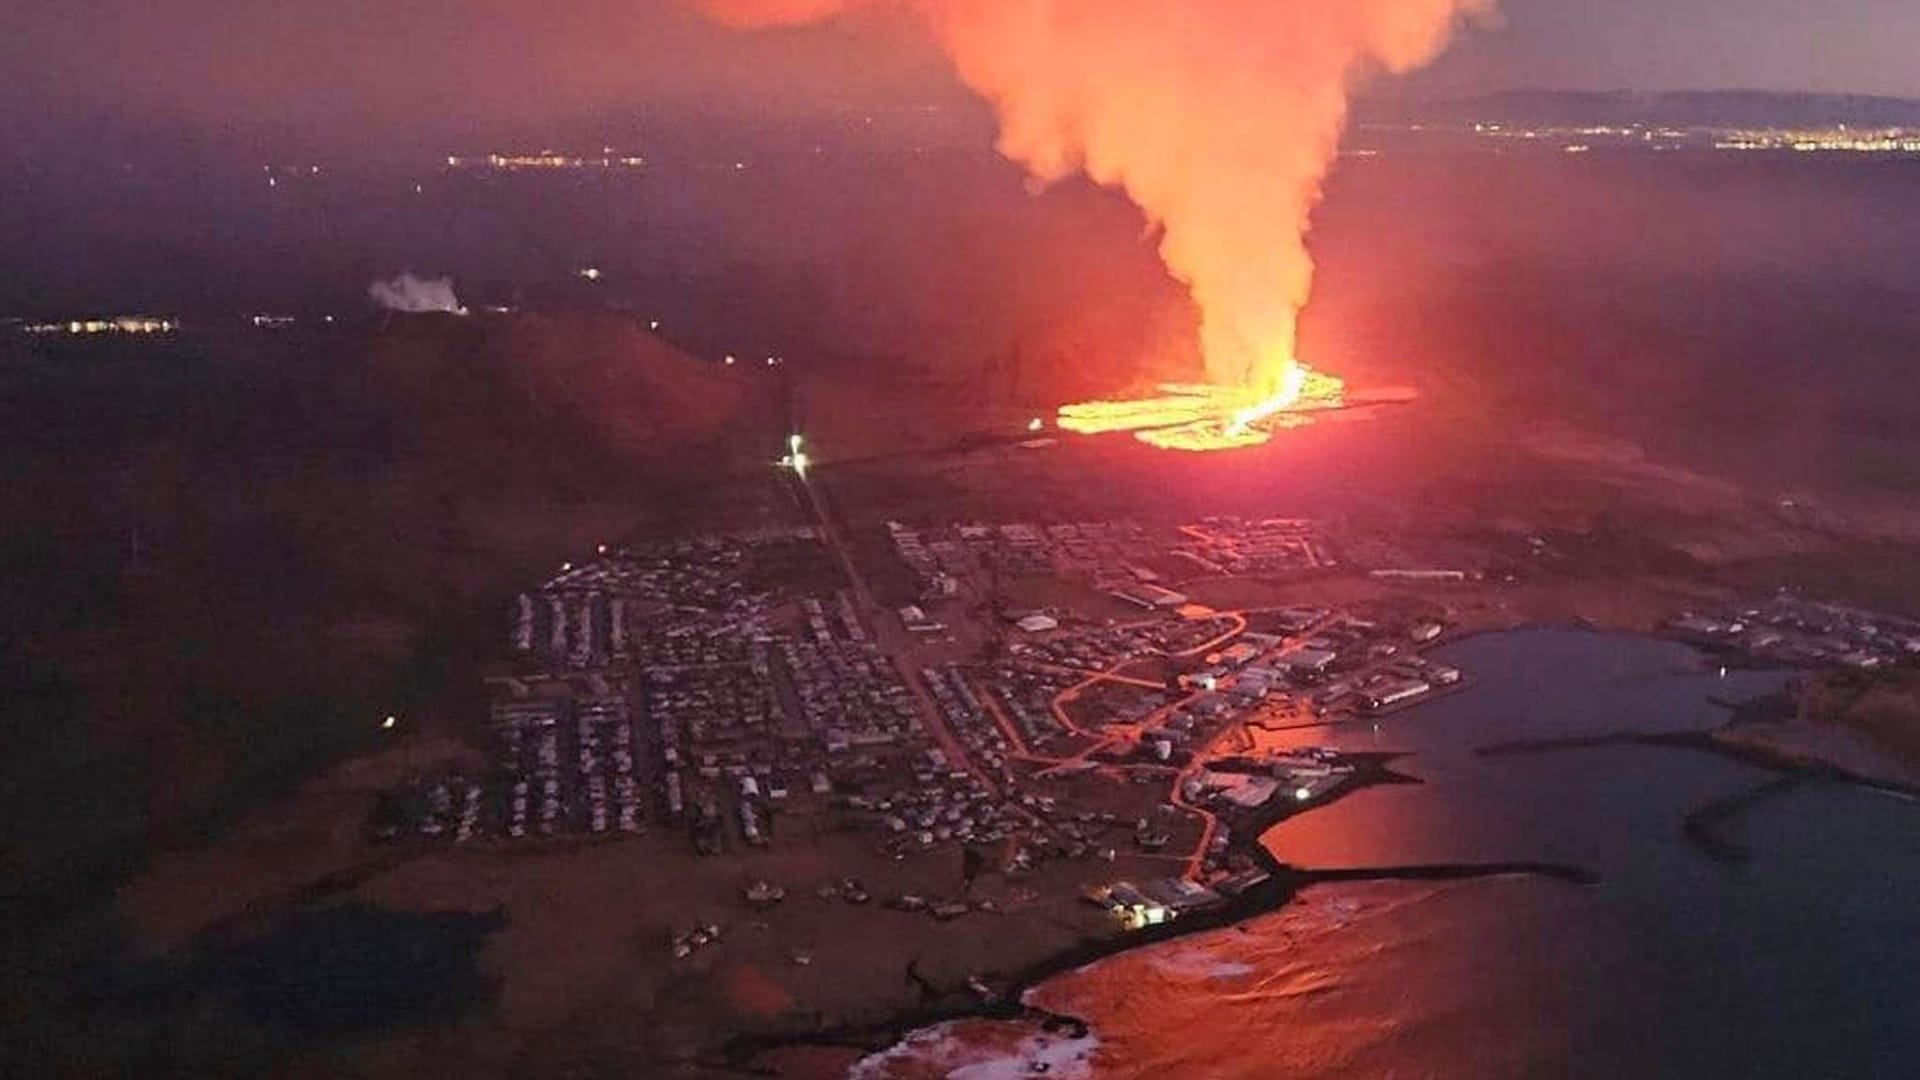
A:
x: 442, y: 64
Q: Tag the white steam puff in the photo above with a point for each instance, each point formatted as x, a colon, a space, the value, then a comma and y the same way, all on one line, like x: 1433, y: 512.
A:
x: 416, y: 295
x: 1219, y: 118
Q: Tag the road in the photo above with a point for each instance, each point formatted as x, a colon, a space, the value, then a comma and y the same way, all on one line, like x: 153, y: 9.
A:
x: 1240, y: 627
x: 890, y: 636
x: 1210, y: 822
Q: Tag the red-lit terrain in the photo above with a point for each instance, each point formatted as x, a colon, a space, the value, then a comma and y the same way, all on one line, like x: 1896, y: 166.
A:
x: 225, y: 564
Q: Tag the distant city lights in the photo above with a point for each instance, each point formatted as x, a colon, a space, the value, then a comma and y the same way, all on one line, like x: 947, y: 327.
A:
x: 1840, y: 140
x: 119, y: 324
x: 1837, y: 138
x: 545, y: 160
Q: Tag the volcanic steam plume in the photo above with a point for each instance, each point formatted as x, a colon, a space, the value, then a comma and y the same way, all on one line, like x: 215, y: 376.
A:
x: 1219, y: 118
x: 416, y: 295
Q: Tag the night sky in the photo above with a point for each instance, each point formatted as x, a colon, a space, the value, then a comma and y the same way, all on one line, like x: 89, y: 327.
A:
x: 426, y: 64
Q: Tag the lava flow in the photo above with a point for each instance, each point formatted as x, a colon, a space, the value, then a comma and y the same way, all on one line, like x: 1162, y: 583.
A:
x: 1219, y: 119
x: 1205, y: 416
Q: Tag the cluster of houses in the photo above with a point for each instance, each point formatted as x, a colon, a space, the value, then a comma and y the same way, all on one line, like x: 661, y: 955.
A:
x: 1108, y: 553
x: 565, y: 763
x: 804, y: 716
x: 1394, y: 684
x: 670, y: 675
x: 1152, y: 903
x: 937, y: 804
x: 528, y: 730
x: 1087, y: 650
x: 1227, y: 546
x: 676, y: 682
x: 594, y: 788
x: 695, y: 638
x: 604, y: 748
x: 710, y: 726
x: 850, y: 694
x: 1298, y: 776
x: 448, y: 807
x: 684, y: 595
x: 1793, y: 630
x: 966, y: 716
x: 1093, y: 649
x: 1025, y: 693
x: 1350, y: 663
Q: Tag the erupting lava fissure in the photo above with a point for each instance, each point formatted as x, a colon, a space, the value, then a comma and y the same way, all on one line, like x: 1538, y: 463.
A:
x: 1220, y: 119
x: 1208, y: 416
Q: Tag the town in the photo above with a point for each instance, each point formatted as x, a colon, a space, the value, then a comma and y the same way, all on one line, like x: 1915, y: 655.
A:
x: 1052, y: 695
x: 1791, y: 630
x: 741, y: 692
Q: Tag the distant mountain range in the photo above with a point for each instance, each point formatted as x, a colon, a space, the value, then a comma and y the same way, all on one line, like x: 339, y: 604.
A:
x: 1691, y: 108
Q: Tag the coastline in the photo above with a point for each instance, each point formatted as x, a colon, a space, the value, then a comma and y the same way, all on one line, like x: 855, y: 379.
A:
x: 739, y: 1054
x: 1792, y: 769
x: 869, y: 1006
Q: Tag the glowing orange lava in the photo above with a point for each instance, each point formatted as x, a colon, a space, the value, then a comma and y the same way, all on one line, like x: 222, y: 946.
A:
x: 1205, y: 416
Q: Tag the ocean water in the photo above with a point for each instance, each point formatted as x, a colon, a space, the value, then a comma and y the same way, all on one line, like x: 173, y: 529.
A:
x: 1803, y: 962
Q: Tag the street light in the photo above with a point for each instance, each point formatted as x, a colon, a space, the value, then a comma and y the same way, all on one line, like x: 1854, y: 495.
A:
x: 796, y: 458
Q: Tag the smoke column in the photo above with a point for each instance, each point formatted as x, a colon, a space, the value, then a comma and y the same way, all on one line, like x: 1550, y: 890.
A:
x: 416, y: 295
x: 1219, y: 118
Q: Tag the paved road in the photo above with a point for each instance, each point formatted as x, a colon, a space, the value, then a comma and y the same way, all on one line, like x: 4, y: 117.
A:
x: 889, y: 635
